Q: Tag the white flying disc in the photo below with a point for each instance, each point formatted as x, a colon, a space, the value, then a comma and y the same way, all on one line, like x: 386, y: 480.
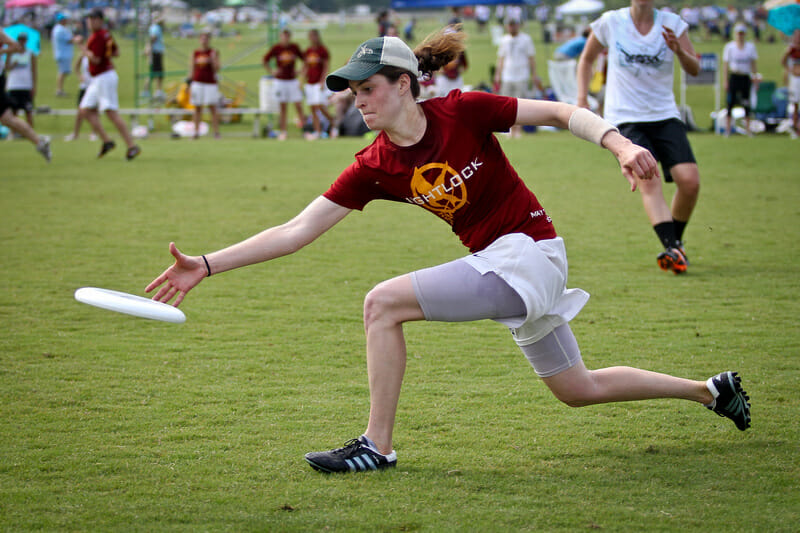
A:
x: 130, y: 304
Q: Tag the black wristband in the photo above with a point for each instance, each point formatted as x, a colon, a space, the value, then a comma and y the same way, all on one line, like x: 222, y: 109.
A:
x: 208, y: 268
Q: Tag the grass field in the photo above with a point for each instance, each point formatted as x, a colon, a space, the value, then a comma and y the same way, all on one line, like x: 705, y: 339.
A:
x: 114, y: 423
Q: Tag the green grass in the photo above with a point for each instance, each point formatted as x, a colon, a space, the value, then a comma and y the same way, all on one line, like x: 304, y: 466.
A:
x: 113, y: 423
x: 109, y: 422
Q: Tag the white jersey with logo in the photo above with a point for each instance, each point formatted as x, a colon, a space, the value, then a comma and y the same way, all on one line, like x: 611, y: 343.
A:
x: 640, y: 67
x: 739, y: 59
x: 20, y: 76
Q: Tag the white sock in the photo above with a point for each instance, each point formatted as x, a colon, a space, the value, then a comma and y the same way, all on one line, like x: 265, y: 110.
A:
x: 369, y: 444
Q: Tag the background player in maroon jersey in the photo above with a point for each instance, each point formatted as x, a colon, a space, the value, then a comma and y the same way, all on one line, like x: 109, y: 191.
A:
x: 101, y: 93
x: 286, y: 86
x: 316, y: 60
x: 204, y: 90
x: 442, y: 155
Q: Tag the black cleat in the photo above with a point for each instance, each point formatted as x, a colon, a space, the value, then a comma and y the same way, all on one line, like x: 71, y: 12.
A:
x: 730, y: 400
x: 107, y: 147
x: 354, y: 456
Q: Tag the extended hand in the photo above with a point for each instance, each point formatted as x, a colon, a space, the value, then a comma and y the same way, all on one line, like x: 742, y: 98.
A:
x: 178, y: 279
x: 637, y: 163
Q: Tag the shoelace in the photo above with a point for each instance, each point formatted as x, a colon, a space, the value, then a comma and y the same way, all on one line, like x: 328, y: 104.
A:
x: 349, y: 447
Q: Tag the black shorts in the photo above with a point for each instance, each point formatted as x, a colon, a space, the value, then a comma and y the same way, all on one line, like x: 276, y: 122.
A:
x: 739, y: 91
x: 4, y: 103
x: 156, y: 65
x: 20, y: 100
x: 80, y: 96
x: 666, y: 140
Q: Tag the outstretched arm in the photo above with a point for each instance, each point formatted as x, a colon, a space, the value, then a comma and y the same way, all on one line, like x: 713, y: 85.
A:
x: 635, y: 162
x: 278, y: 241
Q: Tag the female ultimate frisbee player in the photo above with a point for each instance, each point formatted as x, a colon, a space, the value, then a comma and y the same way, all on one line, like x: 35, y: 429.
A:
x: 438, y: 154
x: 643, y: 44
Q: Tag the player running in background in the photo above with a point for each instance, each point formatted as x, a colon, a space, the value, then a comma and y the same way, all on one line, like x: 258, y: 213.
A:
x: 642, y: 44
x: 101, y: 93
x: 7, y: 116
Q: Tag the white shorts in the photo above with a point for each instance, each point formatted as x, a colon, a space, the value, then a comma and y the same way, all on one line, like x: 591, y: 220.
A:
x: 514, y: 89
x: 444, y: 85
x: 794, y: 89
x: 101, y: 93
x: 537, y: 270
x: 203, y: 93
x: 316, y: 94
x: 287, y: 91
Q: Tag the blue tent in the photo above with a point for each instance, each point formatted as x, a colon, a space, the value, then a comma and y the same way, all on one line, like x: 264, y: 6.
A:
x: 429, y: 4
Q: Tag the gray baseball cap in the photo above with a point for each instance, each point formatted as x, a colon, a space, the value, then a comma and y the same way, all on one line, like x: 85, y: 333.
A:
x: 369, y: 58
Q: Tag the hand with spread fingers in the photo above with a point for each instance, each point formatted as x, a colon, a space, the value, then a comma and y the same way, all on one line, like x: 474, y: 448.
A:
x: 179, y: 279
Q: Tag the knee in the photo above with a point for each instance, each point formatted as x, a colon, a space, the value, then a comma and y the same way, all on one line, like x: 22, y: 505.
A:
x: 378, y: 305
x: 574, y: 399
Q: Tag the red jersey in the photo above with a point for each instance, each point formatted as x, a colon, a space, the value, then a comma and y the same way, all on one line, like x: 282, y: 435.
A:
x: 285, y: 57
x: 203, y: 66
x: 102, y: 45
x: 453, y: 69
x: 315, y: 59
x: 457, y: 172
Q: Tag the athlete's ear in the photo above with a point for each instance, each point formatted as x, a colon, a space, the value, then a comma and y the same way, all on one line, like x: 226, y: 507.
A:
x: 404, y: 83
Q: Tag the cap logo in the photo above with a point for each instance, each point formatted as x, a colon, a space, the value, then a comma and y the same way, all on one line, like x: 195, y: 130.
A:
x: 364, y: 51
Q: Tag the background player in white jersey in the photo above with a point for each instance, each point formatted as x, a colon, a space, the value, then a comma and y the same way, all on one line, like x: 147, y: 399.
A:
x: 738, y: 67
x: 642, y: 44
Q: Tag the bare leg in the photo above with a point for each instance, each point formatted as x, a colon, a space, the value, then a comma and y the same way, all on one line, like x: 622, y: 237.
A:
x: 198, y: 113
x: 301, y: 116
x: 687, y: 180
x: 282, y: 117
x: 386, y: 307
x: 93, y: 118
x: 214, y: 120
x: 15, y: 123
x: 653, y: 199
x: 115, y: 119
x: 578, y: 387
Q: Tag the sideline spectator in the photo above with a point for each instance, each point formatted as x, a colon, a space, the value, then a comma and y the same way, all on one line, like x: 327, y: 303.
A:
x: 516, y: 66
x: 738, y: 68
x: 791, y: 63
x: 572, y: 49
x: 63, y: 50
x: 204, y: 89
x: 286, y: 85
x: 156, y: 50
x: 316, y: 59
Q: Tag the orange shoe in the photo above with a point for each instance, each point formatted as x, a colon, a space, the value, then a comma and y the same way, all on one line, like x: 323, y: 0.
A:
x: 672, y: 259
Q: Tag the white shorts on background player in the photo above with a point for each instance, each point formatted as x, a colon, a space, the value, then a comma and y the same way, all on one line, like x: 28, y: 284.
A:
x: 316, y: 94
x: 204, y: 93
x: 287, y: 91
x: 101, y: 93
x: 794, y: 89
